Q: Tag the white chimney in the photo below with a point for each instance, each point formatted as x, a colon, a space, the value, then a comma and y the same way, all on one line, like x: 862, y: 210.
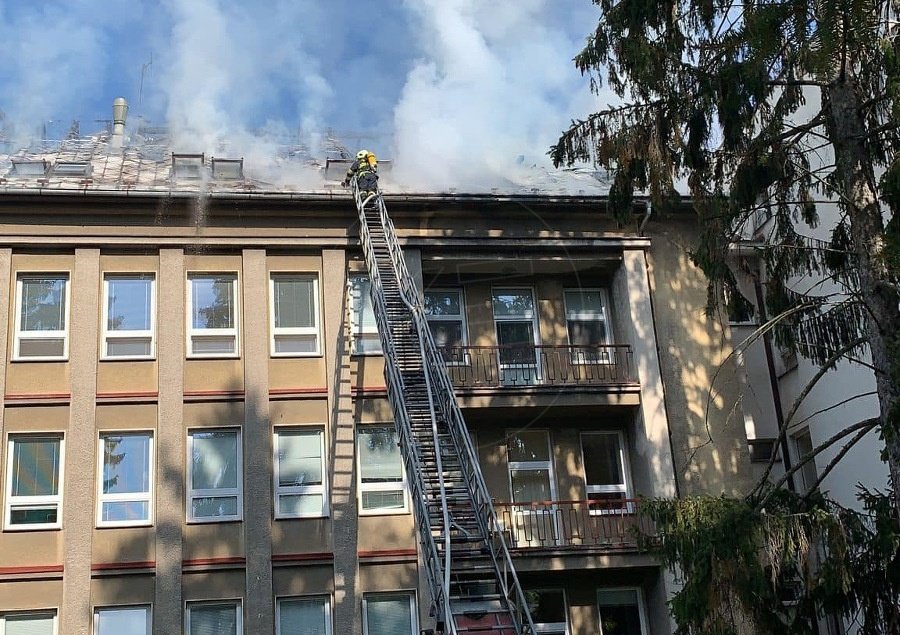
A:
x: 120, y: 112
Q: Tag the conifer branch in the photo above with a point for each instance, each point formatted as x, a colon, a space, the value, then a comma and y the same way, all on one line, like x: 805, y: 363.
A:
x: 829, y: 363
x: 861, y: 427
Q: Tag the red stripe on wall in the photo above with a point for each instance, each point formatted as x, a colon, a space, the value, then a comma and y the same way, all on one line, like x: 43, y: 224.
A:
x: 115, y: 566
x: 50, y: 568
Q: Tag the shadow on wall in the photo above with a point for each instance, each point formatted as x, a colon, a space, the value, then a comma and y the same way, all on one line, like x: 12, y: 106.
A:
x: 702, y: 383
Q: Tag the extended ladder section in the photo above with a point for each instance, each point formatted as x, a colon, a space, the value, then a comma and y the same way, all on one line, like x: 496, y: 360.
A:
x: 474, y: 587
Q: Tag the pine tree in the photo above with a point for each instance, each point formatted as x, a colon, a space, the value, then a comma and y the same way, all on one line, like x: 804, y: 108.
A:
x: 738, y: 102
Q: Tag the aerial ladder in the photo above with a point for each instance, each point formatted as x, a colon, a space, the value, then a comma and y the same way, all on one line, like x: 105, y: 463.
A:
x: 474, y: 587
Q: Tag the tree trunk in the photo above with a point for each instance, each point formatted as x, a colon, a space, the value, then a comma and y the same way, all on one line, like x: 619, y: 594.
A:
x: 856, y: 179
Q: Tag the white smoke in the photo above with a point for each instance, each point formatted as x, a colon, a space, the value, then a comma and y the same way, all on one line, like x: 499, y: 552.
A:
x: 227, y: 64
x: 494, y: 88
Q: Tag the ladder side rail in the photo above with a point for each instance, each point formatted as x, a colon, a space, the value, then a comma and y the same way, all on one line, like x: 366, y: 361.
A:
x: 435, y: 367
x: 404, y: 278
x: 440, y: 580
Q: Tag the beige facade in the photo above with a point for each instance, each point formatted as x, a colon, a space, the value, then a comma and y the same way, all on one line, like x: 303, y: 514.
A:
x: 568, y: 436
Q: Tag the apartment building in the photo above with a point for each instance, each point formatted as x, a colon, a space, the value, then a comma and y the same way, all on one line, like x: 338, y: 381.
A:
x: 196, y: 435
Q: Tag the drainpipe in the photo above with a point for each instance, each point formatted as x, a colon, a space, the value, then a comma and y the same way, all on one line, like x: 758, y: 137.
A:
x: 773, y: 379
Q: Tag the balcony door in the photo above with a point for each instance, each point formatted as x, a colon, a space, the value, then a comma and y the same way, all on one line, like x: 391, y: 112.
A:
x: 515, y: 322
x: 532, y: 488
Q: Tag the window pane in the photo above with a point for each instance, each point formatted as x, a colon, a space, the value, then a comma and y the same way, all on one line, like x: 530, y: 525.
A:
x: 530, y: 485
x: 300, y: 504
x: 363, y: 310
x: 29, y: 624
x: 620, y: 613
x: 519, y: 334
x: 43, y: 304
x: 295, y: 343
x: 302, y: 617
x: 582, y: 301
x: 587, y: 332
x: 129, y: 304
x: 546, y: 606
x: 212, y: 345
x: 128, y: 347
x: 126, y: 464
x: 299, y: 458
x: 35, y: 468
x: 513, y: 302
x: 602, y: 459
x: 213, y: 302
x: 367, y: 344
x: 388, y: 616
x: 808, y: 473
x: 392, y: 499
x: 214, y: 457
x: 442, y: 303
x: 123, y: 511
x: 213, y: 619
x: 379, y: 456
x: 34, y: 515
x: 528, y: 445
x: 446, y: 333
x: 118, y: 621
x: 294, y: 302
x: 54, y: 347
x: 213, y: 507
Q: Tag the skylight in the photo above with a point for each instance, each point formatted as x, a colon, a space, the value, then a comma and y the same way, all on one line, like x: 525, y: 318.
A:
x: 227, y: 169
x: 72, y: 169
x: 187, y: 166
x: 28, y: 167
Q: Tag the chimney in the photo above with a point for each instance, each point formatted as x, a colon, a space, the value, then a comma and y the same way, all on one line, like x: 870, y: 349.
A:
x: 120, y: 111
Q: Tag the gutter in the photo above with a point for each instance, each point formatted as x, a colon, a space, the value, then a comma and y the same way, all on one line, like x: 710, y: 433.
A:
x: 648, y: 211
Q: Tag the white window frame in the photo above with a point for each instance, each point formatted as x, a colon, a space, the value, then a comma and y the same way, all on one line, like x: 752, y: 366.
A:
x: 526, y: 466
x: 535, y: 326
x: 357, y: 327
x: 295, y: 490
x: 107, y: 335
x: 326, y: 602
x: 623, y: 488
x: 601, y: 316
x: 54, y: 613
x: 379, y: 487
x: 26, y: 502
x: 42, y: 335
x: 191, y: 494
x: 119, y: 607
x: 460, y: 317
x: 553, y: 627
x: 410, y: 594
x: 641, y: 602
x: 309, y: 330
x: 809, y: 469
x: 218, y: 332
x: 237, y: 603
x: 147, y: 497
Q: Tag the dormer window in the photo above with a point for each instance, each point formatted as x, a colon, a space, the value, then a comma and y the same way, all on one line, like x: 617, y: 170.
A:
x: 28, y: 167
x: 227, y: 169
x: 80, y: 169
x: 187, y: 166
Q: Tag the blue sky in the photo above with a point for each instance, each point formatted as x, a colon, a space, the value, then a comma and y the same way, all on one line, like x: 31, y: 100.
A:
x: 470, y: 78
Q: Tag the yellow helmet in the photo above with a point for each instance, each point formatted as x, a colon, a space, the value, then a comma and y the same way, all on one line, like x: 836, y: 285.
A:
x: 362, y: 154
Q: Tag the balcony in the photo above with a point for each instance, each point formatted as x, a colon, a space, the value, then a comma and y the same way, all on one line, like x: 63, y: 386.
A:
x: 539, y: 366
x: 607, y: 525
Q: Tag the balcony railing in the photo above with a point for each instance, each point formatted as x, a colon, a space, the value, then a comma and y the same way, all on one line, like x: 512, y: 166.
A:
x: 501, y: 366
x: 604, y: 525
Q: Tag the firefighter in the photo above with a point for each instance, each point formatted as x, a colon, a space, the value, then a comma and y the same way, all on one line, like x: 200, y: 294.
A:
x: 365, y: 168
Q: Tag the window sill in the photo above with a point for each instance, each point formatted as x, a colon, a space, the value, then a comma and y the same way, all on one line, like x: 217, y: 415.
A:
x: 129, y: 358
x: 18, y: 528
x: 384, y: 512
x: 142, y: 523
x: 305, y: 517
x: 17, y: 360
x: 295, y: 355
x: 201, y: 357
